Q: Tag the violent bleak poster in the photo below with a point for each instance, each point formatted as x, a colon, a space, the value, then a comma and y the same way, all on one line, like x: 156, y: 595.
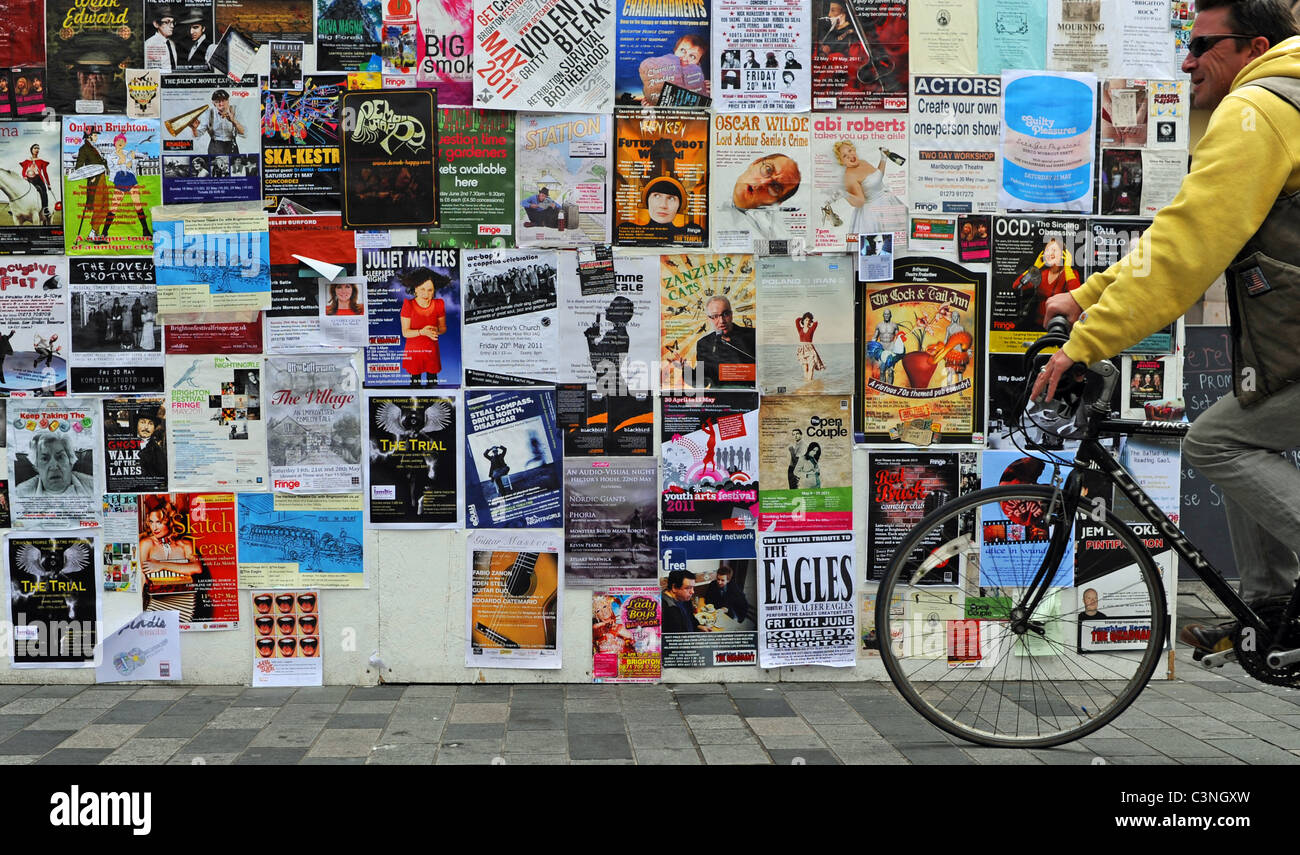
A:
x: 414, y: 470
x: 859, y: 179
x: 210, y: 139
x: 446, y: 27
x: 116, y: 338
x: 52, y: 583
x: 510, y: 317
x: 626, y: 634
x: 859, y: 55
x: 761, y: 53
x: 599, y: 425
x: 807, y: 600
x: 762, y: 183
x: 805, y: 455
x: 292, y: 541
x: 512, y: 459
x: 135, y: 445
x: 347, y: 34
x: 659, y: 45
x: 301, y: 167
x: 120, y: 538
x: 87, y: 46
x: 188, y: 558
x: 34, y: 330
x: 563, y: 167
x: 214, y: 413
x: 610, y: 523
x: 111, y: 180
x: 955, y: 128
x: 147, y: 647
x: 313, y: 423
x: 709, y: 598
x: 1047, y: 140
x: 661, y: 192
x: 1034, y: 259
x: 414, y: 309
x: 515, y: 597
x: 212, y: 258
x: 390, y: 159
x: 805, y: 322
x: 287, y: 634
x: 709, y: 453
x: 476, y: 156
x: 32, y: 207
x: 904, y: 486
x: 53, y: 473
x: 707, y: 330
x: 620, y: 325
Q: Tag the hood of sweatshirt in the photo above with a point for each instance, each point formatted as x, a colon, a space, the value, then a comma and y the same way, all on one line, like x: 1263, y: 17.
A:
x: 1281, y: 60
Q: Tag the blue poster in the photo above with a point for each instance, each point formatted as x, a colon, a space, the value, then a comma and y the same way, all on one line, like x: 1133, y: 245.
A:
x: 709, y: 583
x: 1014, y: 541
x: 658, y: 44
x: 1048, y: 138
x: 512, y: 460
x: 211, y: 259
x: 393, y: 292
x: 291, y: 541
x: 1012, y: 34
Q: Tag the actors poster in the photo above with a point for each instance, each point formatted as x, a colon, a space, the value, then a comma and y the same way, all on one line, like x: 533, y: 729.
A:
x: 119, y: 534
x: 620, y: 325
x: 55, y: 602
x: 511, y: 333
x: 1034, y: 259
x: 135, y: 445
x: 147, y: 647
x: 213, y: 258
x: 414, y: 308
x: 661, y: 165
x: 116, y: 339
x: 301, y: 167
x: 512, y: 459
x: 390, y: 159
x: 610, y: 522
x: 292, y: 541
x: 31, y: 189
x: 287, y: 634
x: 762, y: 183
x: 34, y: 329
x: 111, y: 180
x: 954, y: 144
x: 807, y: 600
x: 922, y: 372
x: 859, y: 55
x: 904, y: 486
x: 859, y: 180
x: 661, y: 44
x: 707, y: 328
x: 210, y: 139
x: 1047, y: 140
x: 626, y: 634
x: 214, y: 414
x: 347, y: 34
x: 515, y: 598
x: 188, y: 558
x: 54, y: 476
x: 476, y: 156
x: 709, y: 454
x: 709, y: 598
x: 563, y: 166
x: 447, y: 65
x: 805, y: 457
x: 761, y: 50
x: 313, y: 423
x: 415, y: 467
x: 805, y: 312
x: 86, y: 49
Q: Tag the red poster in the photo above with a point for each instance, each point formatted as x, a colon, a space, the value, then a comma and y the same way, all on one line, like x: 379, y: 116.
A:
x: 188, y: 559
x: 228, y: 337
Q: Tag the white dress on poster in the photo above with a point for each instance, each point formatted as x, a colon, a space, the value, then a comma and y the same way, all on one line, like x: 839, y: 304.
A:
x: 870, y: 219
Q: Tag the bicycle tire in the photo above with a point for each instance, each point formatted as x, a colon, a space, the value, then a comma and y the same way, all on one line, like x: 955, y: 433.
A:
x: 1050, y: 704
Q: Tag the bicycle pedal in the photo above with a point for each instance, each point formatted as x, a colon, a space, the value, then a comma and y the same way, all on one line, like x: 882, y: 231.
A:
x: 1218, y: 660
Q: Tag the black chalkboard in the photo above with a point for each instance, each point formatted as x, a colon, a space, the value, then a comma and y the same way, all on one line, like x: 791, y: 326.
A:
x: 1207, y: 376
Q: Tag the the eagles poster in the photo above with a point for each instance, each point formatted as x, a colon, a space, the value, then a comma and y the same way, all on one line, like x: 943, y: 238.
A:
x: 54, y: 599
x: 414, y: 460
x: 313, y: 423
x: 52, y: 466
x: 512, y: 459
x: 135, y: 445
x: 807, y: 600
x: 390, y: 159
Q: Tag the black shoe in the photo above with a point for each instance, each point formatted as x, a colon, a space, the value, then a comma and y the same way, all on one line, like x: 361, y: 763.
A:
x: 1211, y: 639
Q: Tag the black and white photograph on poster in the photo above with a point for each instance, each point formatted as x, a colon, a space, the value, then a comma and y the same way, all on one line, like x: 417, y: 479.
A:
x: 135, y: 445
x: 511, y: 329
x: 709, y: 592
x: 313, y: 423
x: 54, y: 598
x: 52, y: 465
x: 210, y: 140
x: 620, y: 328
x: 807, y: 600
x: 414, y: 467
x: 876, y: 257
x: 595, y: 424
x: 286, y: 66
x: 611, y: 524
x: 763, y: 58
x: 117, y: 345
x: 33, y: 325
x: 512, y: 459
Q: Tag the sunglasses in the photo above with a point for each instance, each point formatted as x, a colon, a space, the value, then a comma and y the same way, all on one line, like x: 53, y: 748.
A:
x: 1201, y: 44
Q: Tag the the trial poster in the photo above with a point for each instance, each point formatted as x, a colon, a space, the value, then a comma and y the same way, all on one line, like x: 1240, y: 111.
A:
x: 210, y: 139
x: 761, y: 53
x: 188, y: 558
x: 1034, y: 259
x: 512, y: 459
x: 446, y: 27
x: 922, y: 366
x: 347, y: 34
x: 515, y: 598
x: 707, y: 315
x: 661, y: 189
x: 52, y: 471
x: 212, y: 258
x: 610, y: 522
x: 1014, y: 535
x: 805, y: 455
x: 313, y: 423
x: 418, y: 289
x: 511, y: 333
x: 476, y: 157
x: 762, y: 183
x: 111, y: 180
x: 310, y: 311
x: 563, y: 165
x: 120, y: 539
x: 135, y: 445
x: 87, y: 46
x: 34, y: 328
x: 1048, y: 134
x: 55, y: 600
x: 214, y: 413
x: 414, y: 467
x: 286, y: 636
x: 859, y: 55
x: 301, y: 166
x: 859, y: 179
x: 553, y: 55
x: 626, y: 634
x: 116, y: 339
x: 620, y: 325
x: 390, y: 159
x: 805, y: 323
x: 599, y: 425
x: 709, y: 598
x: 807, y: 600
x: 296, y: 541
x: 146, y: 647
x: 709, y: 457
x: 955, y: 128
x: 662, y: 44
x: 31, y: 223
x: 904, y: 486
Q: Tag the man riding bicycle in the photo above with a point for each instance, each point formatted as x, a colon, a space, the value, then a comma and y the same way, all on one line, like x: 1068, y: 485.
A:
x: 1238, y: 211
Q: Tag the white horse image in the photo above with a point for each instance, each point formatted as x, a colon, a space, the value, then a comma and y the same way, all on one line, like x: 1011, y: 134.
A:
x: 24, y: 201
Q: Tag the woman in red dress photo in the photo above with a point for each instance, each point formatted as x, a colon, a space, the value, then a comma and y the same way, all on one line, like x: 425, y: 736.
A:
x: 424, y: 318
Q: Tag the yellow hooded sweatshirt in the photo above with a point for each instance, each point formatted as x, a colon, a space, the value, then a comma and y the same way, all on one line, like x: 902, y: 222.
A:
x: 1250, y: 155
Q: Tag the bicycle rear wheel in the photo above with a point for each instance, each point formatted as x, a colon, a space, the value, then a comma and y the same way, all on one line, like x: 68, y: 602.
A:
x: 983, y: 662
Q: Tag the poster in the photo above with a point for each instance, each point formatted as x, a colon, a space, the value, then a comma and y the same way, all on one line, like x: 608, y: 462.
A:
x: 601, y: 425
x: 619, y: 326
x: 231, y: 337
x: 708, y: 337
x: 415, y: 336
x: 973, y: 243
x: 301, y: 167
x: 1143, y: 132
x: 1048, y: 139
x: 512, y: 459
x: 1034, y: 259
x: 111, y: 180
x: 1081, y: 35
x: 310, y: 311
x: 662, y: 44
x: 515, y: 597
x: 146, y: 647
x: 805, y: 311
x: 23, y: 40
x: 1012, y: 34
x: 904, y: 486
x: 54, y: 477
x: 142, y: 88
x: 55, y: 602
x: 296, y: 541
x: 661, y: 192
x: 212, y: 258
x: 610, y: 520
x: 922, y: 369
x: 260, y: 21
x: 214, y: 413
x: 511, y: 334
x: 34, y: 328
x: 563, y: 163
x: 120, y: 538
x: 476, y: 157
x: 807, y: 600
x: 188, y: 558
x: 116, y: 340
x: 446, y: 27
x: 762, y: 183
x: 1014, y: 541
x: 347, y: 34
x: 313, y: 423
x: 709, y: 598
x: 626, y: 634
x: 943, y: 36
x: 390, y: 159
x: 761, y: 50
x: 1110, y: 241
x: 210, y: 140
x: 185, y: 43
x: 805, y: 456
x: 86, y: 49
x: 554, y: 55
x: 286, y: 65
x: 956, y: 122
x: 32, y: 206
x: 414, y: 466
x: 135, y: 445
x: 860, y: 55
x: 287, y: 634
x: 859, y: 179
x: 710, y: 463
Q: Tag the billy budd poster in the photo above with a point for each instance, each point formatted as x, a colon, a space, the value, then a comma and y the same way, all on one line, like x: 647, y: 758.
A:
x: 1047, y: 141
x: 34, y: 331
x: 54, y: 482
x: 54, y: 598
x: 313, y: 423
x: 807, y: 598
x: 618, y: 328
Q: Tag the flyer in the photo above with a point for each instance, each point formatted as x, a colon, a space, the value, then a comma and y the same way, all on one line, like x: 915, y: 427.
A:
x: 943, y: 36
x: 1047, y: 140
x: 1013, y: 542
x: 871, y: 639
x: 287, y: 638
x: 313, y: 423
x: 514, y: 599
x: 111, y: 180
x: 210, y: 141
x: 708, y: 337
x: 476, y: 157
x: 260, y: 21
x: 214, y: 414
x: 710, y: 463
x: 286, y: 65
x: 28, y: 91
x: 610, y: 520
x: 142, y: 88
x: 188, y: 558
x: 762, y: 56
x: 807, y: 600
x: 116, y: 340
x: 212, y: 258
x: 805, y: 456
x: 1034, y: 259
x: 135, y: 445
x: 54, y: 477
x: 146, y: 647
x: 626, y: 634
x: 1012, y: 34
x: 1081, y: 35
x: 390, y: 159
x: 414, y: 468
x: 904, y: 486
x: 311, y: 311
x: 55, y: 600
x: 1143, y: 132
x: 955, y: 128
x: 661, y: 192
x: 31, y: 186
x: 230, y: 337
x: 600, y: 425
x: 860, y: 55
x: 447, y: 64
x: 301, y: 167
x: 415, y: 331
x: 86, y: 50
x: 34, y: 325
x: 762, y: 183
x: 511, y: 334
x: 859, y: 179
x: 347, y: 34
x: 620, y: 326
x: 805, y: 312
x: 24, y: 37
x: 120, y: 534
x: 1110, y: 241
x: 709, y: 598
x: 662, y: 44
x: 296, y: 541
x: 512, y: 459
x: 180, y: 35
x: 563, y: 163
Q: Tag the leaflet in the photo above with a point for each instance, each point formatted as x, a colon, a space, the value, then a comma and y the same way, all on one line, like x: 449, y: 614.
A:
x: 805, y: 340
x: 512, y: 459
x: 414, y: 469
x: 807, y: 600
x: 610, y: 522
x: 287, y: 634
x: 300, y: 541
x: 135, y: 445
x: 54, y: 476
x: 187, y: 558
x: 214, y: 412
x: 661, y: 197
x: 762, y: 56
x: 710, y: 462
x: 626, y: 634
x: 859, y: 179
x: 34, y: 329
x: 509, y: 629
x: 398, y: 293
x: 313, y: 423
x: 762, y: 183
x: 55, y: 600
x: 805, y: 454
x: 955, y: 127
x: 511, y: 334
x: 117, y: 345
x: 620, y: 327
x: 211, y: 259
x: 210, y: 143
x: 563, y: 162
x: 709, y: 599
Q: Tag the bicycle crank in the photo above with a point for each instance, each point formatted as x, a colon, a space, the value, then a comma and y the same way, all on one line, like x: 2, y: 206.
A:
x: 1254, y: 654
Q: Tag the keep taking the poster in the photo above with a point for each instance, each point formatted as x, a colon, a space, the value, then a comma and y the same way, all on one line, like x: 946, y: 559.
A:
x: 563, y: 166
x: 761, y: 53
x: 626, y: 634
x: 762, y: 183
x: 805, y: 454
x: 476, y: 157
x: 313, y: 423
x: 55, y: 599
x: 708, y: 337
x: 610, y: 522
x: 708, y: 582
x: 286, y: 634
x: 805, y: 323
x: 710, y: 464
x: 956, y: 122
x: 214, y: 413
x: 34, y: 329
x: 210, y: 142
x: 414, y: 308
x: 117, y: 345
x: 510, y: 316
x: 859, y: 179
x: 1048, y: 135
x: 295, y: 541
x: 188, y: 558
x: 414, y: 462
x: 859, y: 55
x: 135, y: 445
x: 301, y: 166
x: 807, y: 600
x: 112, y: 178
x: 514, y: 599
x: 32, y: 220
x: 54, y: 482
x: 661, y: 194
x: 390, y: 159
x: 512, y: 459
x: 662, y: 46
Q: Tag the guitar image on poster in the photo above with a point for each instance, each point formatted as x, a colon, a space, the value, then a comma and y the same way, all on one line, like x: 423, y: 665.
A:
x: 146, y: 647
x: 126, y: 663
x: 515, y: 584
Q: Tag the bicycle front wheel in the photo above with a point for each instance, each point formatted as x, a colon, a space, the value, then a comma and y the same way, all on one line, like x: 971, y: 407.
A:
x: 987, y: 659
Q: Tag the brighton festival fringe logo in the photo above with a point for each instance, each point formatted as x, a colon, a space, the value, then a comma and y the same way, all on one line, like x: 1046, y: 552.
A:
x: 376, y: 122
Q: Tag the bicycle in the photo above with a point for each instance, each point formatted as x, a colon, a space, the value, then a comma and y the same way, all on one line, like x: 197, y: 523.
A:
x: 1025, y: 665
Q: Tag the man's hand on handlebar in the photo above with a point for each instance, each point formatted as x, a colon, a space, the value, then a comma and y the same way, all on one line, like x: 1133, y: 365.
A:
x: 1051, y: 375
x: 1062, y: 304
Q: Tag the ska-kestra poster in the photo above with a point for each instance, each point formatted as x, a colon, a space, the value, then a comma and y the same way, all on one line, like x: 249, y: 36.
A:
x: 111, y: 180
x: 805, y: 325
x: 54, y: 597
x: 662, y: 45
x: 188, y: 558
x: 287, y: 632
x: 313, y: 423
x: 414, y: 461
x: 116, y: 338
x: 52, y: 466
x: 807, y: 600
x: 34, y: 330
x: 476, y: 150
x: 760, y: 50
x: 87, y: 47
x: 390, y: 159
x: 859, y: 55
x: 292, y: 541
x: 610, y: 523
x: 514, y: 599
x: 762, y: 183
x: 301, y: 167
x: 805, y: 452
x: 214, y: 413
x: 661, y: 190
x: 510, y: 316
x: 512, y: 459
x: 563, y: 173
x: 32, y: 218
x: 955, y: 128
x: 135, y: 445
x: 709, y: 598
x: 1047, y: 141
x: 414, y: 309
x: 710, y: 463
x: 708, y: 337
